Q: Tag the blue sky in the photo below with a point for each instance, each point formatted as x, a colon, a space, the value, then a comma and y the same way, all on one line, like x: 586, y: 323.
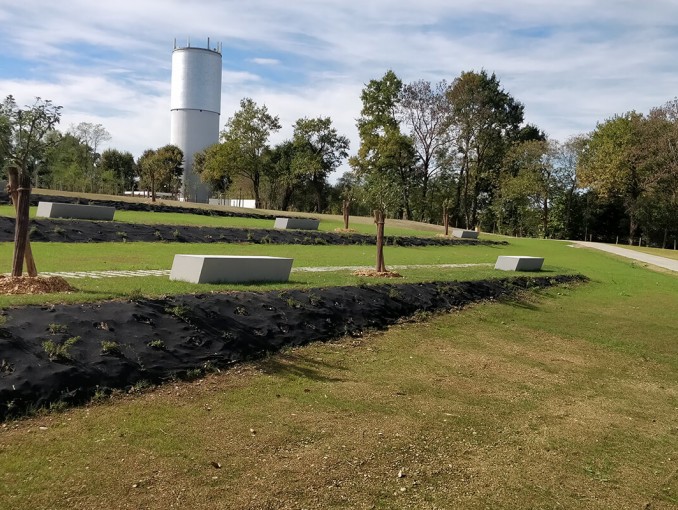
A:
x: 570, y: 63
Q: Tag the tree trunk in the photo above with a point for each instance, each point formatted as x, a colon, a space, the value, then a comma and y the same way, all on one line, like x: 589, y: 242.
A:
x: 22, y: 221
x: 545, y: 218
x: 379, y: 220
x: 12, y: 189
x: 446, y: 219
x: 345, y: 205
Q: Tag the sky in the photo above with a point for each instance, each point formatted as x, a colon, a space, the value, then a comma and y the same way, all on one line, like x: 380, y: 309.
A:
x: 572, y: 63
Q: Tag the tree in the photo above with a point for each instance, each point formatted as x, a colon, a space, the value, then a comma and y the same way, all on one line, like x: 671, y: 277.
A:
x: 91, y: 136
x: 318, y: 151
x: 121, y: 165
x: 161, y: 169
x: 385, y: 158
x: 609, y: 163
x: 281, y: 180
x: 245, y: 139
x: 486, y: 119
x: 425, y: 109
x: 23, y: 143
x: 209, y: 164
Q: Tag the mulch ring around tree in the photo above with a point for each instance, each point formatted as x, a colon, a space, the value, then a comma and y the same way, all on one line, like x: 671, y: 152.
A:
x: 33, y: 285
x: 57, y: 355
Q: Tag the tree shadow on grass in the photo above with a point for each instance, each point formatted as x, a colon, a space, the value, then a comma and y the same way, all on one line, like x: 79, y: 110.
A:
x: 293, y: 364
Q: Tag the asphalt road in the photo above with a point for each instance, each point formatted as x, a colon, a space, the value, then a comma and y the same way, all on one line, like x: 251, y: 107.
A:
x: 655, y: 260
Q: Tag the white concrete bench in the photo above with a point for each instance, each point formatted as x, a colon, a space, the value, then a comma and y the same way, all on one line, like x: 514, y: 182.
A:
x: 230, y: 268
x: 519, y: 263
x: 76, y: 211
x: 297, y: 223
x: 464, y: 234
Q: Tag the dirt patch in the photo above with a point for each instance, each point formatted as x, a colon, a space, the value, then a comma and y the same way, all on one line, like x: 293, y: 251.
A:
x: 33, y: 285
x: 65, y: 354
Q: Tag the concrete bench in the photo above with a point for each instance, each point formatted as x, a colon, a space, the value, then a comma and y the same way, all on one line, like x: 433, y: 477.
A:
x: 76, y: 211
x: 230, y: 268
x: 519, y: 263
x: 297, y: 223
x: 464, y: 234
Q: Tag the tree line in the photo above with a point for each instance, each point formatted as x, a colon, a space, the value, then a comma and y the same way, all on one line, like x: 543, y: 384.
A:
x: 457, y: 154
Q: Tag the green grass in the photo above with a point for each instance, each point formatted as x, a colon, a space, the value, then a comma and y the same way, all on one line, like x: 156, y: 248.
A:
x: 671, y: 254
x: 564, y: 399
x: 328, y: 223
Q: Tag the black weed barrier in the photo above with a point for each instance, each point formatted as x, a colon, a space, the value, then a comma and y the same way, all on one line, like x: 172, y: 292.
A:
x: 84, y: 231
x: 66, y: 354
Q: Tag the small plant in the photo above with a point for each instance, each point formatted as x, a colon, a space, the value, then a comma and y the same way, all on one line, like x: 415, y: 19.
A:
x: 320, y: 240
x: 135, y: 295
x: 250, y: 237
x: 58, y: 230
x: 58, y: 406
x: 393, y: 293
x: 55, y: 328
x: 176, y: 234
x: 6, y: 367
x: 33, y: 231
x: 314, y: 299
x: 110, y: 347
x: 3, y: 319
x: 241, y: 310
x: 395, y: 241
x: 122, y: 235
x: 192, y: 374
x: 293, y: 303
x: 99, y: 395
x: 156, y: 344
x: 158, y: 234
x: 266, y: 240
x: 140, y: 386
x: 59, y: 352
x: 179, y: 311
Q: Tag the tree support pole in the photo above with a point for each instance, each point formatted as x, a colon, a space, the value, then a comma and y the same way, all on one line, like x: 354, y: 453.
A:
x: 379, y: 220
x: 13, y: 188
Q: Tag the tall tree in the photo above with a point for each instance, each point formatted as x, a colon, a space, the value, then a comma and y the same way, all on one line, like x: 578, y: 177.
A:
x: 609, y: 163
x: 486, y: 119
x: 161, y: 169
x: 425, y: 109
x: 23, y: 142
x: 91, y: 136
x: 245, y: 139
x: 209, y: 164
x: 318, y: 151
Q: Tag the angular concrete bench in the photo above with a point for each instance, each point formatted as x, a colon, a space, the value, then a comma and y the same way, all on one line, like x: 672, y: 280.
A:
x: 519, y: 263
x: 230, y: 268
x: 75, y: 211
x: 464, y: 234
x: 297, y: 223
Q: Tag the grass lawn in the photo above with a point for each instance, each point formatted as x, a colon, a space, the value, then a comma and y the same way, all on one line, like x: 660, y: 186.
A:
x: 670, y: 254
x: 567, y: 398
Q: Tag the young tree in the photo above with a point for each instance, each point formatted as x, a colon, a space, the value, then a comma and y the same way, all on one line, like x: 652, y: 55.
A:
x: 209, y: 164
x: 23, y: 143
x: 318, y: 151
x: 161, y: 169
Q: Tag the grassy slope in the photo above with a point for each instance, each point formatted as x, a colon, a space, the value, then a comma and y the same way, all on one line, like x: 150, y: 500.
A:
x: 565, y: 400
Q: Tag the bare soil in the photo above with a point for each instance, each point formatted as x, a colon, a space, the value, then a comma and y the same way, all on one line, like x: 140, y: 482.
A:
x: 33, y: 285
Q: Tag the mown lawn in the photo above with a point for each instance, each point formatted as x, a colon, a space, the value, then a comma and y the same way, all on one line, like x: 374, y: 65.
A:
x: 566, y: 398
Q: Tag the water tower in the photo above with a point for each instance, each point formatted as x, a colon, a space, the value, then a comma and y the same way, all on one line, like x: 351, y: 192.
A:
x: 195, y: 107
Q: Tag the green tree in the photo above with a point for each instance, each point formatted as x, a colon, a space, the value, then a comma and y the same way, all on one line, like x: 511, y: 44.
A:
x: 318, y: 151
x: 209, y: 164
x: 23, y: 141
x: 610, y: 163
x: 425, y: 109
x: 281, y: 180
x: 245, y: 142
x: 485, y: 119
x: 121, y: 166
x: 161, y: 169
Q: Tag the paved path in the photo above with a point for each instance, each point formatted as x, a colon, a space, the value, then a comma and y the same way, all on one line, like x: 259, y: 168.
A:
x: 166, y: 272
x: 655, y: 260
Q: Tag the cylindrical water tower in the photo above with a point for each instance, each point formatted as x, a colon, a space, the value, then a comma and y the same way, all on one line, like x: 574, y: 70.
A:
x: 195, y: 107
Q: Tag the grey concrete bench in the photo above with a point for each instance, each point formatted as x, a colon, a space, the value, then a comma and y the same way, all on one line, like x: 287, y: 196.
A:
x: 76, y: 211
x: 297, y: 223
x: 519, y: 263
x: 230, y: 268
x: 464, y: 234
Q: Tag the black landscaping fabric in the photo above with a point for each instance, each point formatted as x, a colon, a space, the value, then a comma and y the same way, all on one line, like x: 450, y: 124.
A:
x: 85, y: 231
x: 122, y: 344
